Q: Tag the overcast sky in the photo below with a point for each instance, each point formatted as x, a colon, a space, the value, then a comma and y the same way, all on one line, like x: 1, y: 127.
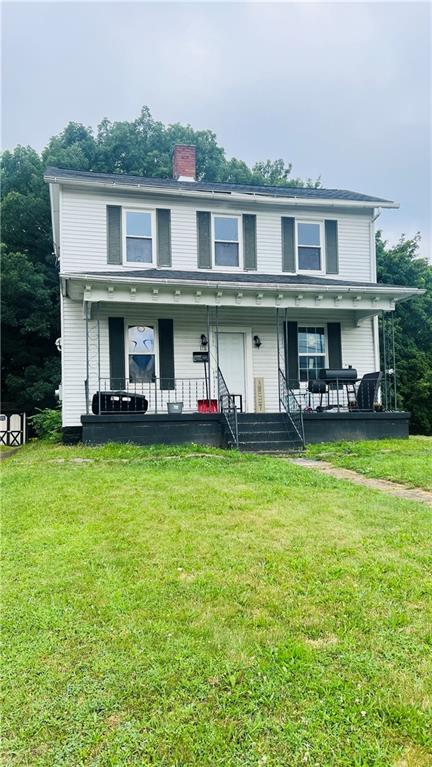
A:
x: 341, y: 90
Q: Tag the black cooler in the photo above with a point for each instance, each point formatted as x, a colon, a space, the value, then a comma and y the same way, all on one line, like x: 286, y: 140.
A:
x: 118, y: 402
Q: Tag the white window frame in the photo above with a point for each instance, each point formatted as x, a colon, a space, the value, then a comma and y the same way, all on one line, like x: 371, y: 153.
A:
x: 320, y: 223
x: 148, y: 323
x: 139, y: 264
x: 223, y: 214
x: 299, y: 354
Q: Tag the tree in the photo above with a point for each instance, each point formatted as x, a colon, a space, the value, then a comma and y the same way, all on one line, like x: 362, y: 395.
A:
x: 276, y: 173
x: 30, y: 364
x: 401, y: 265
x: 31, y: 316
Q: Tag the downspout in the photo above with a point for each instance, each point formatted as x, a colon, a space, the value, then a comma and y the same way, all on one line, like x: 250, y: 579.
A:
x: 208, y: 352
x: 375, y: 321
x: 86, y: 315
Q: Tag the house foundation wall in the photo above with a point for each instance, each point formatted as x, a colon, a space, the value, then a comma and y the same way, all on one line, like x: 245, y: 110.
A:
x: 208, y: 429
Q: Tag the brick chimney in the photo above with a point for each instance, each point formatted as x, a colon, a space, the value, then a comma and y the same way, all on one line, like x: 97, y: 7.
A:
x: 184, y: 162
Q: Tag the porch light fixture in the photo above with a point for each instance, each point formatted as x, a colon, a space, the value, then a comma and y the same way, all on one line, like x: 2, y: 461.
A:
x: 204, y: 340
x: 257, y: 342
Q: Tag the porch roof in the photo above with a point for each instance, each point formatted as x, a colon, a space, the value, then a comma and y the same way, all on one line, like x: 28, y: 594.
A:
x: 247, y: 289
x: 249, y: 279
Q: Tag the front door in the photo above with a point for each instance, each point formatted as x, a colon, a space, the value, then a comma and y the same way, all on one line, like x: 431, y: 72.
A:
x: 232, y: 363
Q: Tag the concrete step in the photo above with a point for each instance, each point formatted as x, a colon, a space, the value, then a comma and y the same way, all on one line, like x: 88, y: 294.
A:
x: 260, y: 417
x: 266, y: 426
x: 270, y: 446
x: 265, y: 434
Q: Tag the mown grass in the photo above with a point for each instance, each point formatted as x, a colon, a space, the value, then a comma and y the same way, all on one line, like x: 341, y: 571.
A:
x: 408, y: 461
x: 200, y: 608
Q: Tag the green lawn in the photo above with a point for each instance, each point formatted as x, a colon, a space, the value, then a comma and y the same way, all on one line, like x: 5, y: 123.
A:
x: 408, y: 461
x: 193, y: 608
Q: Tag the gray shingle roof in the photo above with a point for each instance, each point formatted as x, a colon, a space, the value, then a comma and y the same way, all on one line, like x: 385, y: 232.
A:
x: 240, y: 277
x: 290, y: 192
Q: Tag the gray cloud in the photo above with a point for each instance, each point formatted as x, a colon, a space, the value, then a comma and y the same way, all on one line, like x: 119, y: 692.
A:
x: 341, y: 90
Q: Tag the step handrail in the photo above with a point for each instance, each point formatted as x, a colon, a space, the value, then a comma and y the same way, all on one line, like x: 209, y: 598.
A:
x: 291, y: 406
x: 228, y: 410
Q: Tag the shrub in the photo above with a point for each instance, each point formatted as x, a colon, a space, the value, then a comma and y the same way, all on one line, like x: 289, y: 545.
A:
x: 47, y: 424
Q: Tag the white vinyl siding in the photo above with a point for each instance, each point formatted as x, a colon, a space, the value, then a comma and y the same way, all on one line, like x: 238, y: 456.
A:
x: 83, y: 244
x: 189, y: 322
x: 356, y: 261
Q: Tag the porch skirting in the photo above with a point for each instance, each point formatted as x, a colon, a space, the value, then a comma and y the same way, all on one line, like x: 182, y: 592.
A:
x: 208, y: 429
x: 199, y: 428
x: 340, y: 427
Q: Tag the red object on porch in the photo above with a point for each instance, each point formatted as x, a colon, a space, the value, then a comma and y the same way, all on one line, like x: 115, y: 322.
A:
x: 207, y: 406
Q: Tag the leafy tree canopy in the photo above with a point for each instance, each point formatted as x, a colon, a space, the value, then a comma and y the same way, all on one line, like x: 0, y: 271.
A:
x: 143, y: 147
x: 401, y: 265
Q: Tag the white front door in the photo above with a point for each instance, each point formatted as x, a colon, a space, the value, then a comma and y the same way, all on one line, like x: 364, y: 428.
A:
x: 232, y: 363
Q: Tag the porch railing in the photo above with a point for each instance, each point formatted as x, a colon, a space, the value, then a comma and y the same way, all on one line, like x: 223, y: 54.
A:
x: 291, y: 406
x: 366, y: 394
x: 228, y: 408
x: 120, y: 395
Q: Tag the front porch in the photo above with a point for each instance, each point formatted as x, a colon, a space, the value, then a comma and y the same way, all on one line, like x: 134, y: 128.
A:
x: 229, y: 367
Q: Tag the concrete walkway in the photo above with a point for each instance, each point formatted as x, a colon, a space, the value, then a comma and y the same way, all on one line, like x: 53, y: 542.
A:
x: 392, y: 488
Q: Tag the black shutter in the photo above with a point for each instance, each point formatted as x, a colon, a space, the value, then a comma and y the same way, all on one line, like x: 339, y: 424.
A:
x: 116, y: 352
x: 204, y: 240
x: 249, y: 242
x: 288, y: 245
x: 331, y: 244
x: 334, y: 345
x: 163, y: 237
x: 291, y: 355
x: 114, y: 234
x: 166, y: 354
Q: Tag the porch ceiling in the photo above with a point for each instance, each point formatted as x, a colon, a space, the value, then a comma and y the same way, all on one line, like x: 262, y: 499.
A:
x: 363, y: 298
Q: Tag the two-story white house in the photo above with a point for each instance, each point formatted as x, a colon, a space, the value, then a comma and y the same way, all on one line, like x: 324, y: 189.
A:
x: 219, y: 313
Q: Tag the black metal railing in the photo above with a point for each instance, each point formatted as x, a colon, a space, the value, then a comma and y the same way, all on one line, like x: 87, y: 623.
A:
x: 290, y: 405
x: 228, y: 408
x: 162, y: 395
x: 365, y: 394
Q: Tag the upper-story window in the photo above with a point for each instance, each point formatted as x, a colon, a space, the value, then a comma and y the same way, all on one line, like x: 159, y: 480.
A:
x: 226, y: 235
x: 139, y: 237
x: 309, y: 246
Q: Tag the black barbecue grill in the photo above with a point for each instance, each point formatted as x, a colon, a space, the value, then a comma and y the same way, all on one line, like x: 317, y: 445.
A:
x: 332, y: 382
x: 338, y: 375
